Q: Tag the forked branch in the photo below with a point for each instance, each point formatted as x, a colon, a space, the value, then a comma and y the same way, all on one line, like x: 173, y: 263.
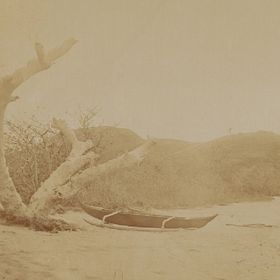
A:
x: 43, y: 61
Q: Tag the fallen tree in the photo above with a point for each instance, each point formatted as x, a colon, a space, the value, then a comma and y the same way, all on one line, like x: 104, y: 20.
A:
x: 76, y: 172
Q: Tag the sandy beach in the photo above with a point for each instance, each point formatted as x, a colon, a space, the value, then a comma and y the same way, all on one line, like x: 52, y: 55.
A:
x: 243, y: 242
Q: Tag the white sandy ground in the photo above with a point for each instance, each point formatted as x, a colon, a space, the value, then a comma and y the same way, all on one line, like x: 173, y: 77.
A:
x: 217, y: 251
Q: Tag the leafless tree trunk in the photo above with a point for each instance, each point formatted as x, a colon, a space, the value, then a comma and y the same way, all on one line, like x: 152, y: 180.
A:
x: 78, y: 169
x: 9, y: 197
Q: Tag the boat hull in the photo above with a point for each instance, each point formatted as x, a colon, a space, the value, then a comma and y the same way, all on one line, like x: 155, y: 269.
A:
x: 141, y: 220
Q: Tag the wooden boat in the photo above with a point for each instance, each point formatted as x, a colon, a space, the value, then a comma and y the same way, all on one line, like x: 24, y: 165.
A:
x: 141, y: 220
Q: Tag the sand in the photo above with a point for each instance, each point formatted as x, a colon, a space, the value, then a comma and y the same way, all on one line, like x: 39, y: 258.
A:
x: 218, y: 251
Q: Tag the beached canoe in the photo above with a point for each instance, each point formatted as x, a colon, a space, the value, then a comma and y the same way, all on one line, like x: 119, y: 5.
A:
x: 143, y: 220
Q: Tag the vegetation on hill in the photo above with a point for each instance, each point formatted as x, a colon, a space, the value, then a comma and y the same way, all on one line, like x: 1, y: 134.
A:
x: 181, y: 174
x: 174, y: 174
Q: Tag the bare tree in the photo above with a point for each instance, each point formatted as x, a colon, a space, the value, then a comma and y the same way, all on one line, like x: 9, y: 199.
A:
x: 78, y: 169
x: 86, y: 118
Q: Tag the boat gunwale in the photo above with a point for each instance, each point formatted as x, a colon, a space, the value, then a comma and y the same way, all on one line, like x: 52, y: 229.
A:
x: 138, y: 213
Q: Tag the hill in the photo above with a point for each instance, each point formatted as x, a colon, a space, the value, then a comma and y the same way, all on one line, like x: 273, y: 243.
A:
x: 182, y: 174
x: 174, y: 174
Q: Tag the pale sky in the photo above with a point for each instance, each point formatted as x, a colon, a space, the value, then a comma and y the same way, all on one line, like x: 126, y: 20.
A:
x: 186, y: 69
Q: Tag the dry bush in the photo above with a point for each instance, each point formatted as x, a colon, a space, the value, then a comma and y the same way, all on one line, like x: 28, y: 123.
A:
x: 86, y: 118
x: 33, y: 151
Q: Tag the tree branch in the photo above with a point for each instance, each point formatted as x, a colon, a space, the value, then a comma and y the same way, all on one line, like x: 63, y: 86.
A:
x: 67, y: 133
x: 79, y: 158
x: 43, y: 61
x: 71, y: 176
x: 135, y: 156
x: 87, y: 176
x: 78, y: 148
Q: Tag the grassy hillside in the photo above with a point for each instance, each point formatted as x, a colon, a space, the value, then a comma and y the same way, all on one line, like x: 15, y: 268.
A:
x: 181, y: 174
x: 174, y: 174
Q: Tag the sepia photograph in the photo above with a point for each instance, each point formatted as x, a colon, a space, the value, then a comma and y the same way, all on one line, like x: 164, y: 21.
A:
x: 139, y: 140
